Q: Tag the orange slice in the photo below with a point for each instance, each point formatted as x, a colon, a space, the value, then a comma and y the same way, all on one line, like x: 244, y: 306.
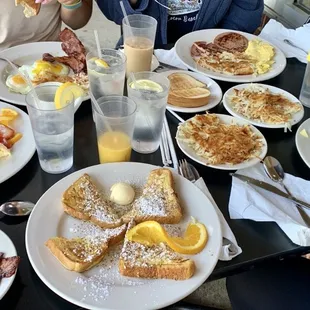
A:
x: 152, y: 233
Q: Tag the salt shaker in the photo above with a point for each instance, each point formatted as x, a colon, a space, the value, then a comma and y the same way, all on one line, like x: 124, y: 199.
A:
x: 305, y: 88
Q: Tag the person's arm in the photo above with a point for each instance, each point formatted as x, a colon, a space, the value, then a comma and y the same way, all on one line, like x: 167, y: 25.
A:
x: 243, y: 15
x: 112, y: 10
x: 79, y: 17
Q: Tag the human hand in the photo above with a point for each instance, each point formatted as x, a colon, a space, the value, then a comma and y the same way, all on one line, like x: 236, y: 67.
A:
x: 66, y: 2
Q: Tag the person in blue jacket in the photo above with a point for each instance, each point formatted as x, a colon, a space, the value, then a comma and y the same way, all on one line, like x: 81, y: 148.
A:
x: 178, y: 17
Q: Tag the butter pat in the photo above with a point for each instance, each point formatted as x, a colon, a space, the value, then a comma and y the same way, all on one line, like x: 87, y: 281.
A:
x: 122, y: 194
x: 304, y: 133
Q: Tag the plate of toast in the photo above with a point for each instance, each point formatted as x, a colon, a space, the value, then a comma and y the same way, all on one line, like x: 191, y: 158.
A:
x: 231, y: 56
x: 192, y: 92
x: 80, y: 237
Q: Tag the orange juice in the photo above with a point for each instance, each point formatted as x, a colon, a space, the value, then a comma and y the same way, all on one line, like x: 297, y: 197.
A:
x: 114, y: 146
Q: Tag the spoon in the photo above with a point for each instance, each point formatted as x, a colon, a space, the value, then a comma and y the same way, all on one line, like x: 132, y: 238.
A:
x: 17, y: 208
x: 276, y: 173
x: 292, y: 44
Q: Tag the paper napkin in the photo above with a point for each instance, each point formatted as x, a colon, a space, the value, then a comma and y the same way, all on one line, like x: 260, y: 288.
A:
x: 169, y: 57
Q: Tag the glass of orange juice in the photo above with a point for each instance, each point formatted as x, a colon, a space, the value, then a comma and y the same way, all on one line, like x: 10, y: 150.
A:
x: 114, y: 127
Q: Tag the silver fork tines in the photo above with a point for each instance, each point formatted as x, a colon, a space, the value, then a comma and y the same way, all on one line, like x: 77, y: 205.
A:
x: 185, y: 170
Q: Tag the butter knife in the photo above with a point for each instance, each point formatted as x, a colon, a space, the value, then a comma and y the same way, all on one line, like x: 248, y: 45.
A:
x: 270, y: 188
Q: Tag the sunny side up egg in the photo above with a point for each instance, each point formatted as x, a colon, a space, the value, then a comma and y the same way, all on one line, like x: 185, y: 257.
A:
x: 39, y: 69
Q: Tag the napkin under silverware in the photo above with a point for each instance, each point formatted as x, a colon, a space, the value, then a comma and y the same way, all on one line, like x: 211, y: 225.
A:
x: 250, y: 202
x: 230, y: 248
x: 169, y: 57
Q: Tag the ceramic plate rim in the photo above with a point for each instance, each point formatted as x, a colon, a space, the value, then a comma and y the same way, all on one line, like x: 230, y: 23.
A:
x: 226, y: 102
x: 219, y: 76
x: 243, y: 165
x: 204, y: 79
x: 217, y: 237
x: 10, y: 280
x: 31, y: 148
x: 298, y: 141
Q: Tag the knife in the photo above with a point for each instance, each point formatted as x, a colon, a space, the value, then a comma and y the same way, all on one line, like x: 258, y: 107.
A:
x: 270, y: 188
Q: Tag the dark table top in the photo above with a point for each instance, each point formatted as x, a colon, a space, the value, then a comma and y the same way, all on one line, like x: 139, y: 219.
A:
x: 259, y: 241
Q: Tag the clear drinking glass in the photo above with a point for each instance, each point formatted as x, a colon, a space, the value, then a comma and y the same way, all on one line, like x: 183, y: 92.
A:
x: 52, y: 129
x: 139, y: 36
x: 107, y: 74
x: 149, y: 90
x: 304, y: 96
x: 114, y: 127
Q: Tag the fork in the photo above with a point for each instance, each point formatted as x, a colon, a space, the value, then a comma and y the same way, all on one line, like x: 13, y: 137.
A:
x: 186, y: 171
x: 13, y: 64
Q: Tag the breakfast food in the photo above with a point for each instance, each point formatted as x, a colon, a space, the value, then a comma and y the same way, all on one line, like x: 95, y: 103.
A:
x: 8, y: 136
x: 84, y: 201
x: 122, y: 194
x: 8, y: 265
x: 31, y: 8
x: 231, y: 53
x: 158, y: 201
x: 156, y: 261
x: 259, y: 104
x: 81, y: 254
x: 220, y: 143
x: 186, y: 91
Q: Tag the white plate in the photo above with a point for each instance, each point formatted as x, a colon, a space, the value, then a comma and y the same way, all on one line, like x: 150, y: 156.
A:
x: 25, y: 54
x: 297, y: 117
x: 7, y: 247
x: 184, y: 44
x: 23, y: 150
x: 214, y: 88
x: 48, y: 219
x: 227, y: 120
x: 303, y: 143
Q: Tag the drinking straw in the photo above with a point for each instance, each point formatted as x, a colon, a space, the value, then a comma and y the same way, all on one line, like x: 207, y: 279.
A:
x: 97, y: 43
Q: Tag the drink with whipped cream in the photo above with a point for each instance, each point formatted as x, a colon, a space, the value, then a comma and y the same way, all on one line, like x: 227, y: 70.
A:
x: 139, y: 36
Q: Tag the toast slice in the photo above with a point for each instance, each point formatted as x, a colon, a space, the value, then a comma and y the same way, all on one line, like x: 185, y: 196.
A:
x: 31, y: 8
x: 158, y: 201
x: 81, y: 254
x: 186, y: 91
x: 84, y: 201
x: 156, y: 262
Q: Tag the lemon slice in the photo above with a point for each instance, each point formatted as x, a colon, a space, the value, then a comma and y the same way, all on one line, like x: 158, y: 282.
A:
x: 101, y: 63
x: 147, y: 85
x: 151, y: 233
x: 64, y: 93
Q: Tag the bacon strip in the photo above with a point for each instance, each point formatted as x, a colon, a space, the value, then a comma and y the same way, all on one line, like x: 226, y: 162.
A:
x: 8, y: 266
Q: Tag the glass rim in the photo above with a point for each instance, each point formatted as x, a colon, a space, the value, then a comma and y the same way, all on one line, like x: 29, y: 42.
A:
x: 152, y: 21
x: 32, y: 105
x: 128, y: 101
x: 130, y: 79
x: 121, y: 54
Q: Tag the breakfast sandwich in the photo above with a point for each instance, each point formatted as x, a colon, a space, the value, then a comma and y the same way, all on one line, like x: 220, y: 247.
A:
x: 31, y: 8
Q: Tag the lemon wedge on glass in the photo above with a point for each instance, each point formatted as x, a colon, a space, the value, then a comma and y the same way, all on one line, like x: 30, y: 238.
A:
x: 147, y: 85
x: 66, y: 93
x: 152, y: 233
x: 101, y: 63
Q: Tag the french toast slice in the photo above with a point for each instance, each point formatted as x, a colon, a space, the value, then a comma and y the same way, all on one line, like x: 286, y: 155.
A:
x: 81, y: 254
x: 158, y: 201
x: 31, y: 8
x: 84, y: 201
x: 155, y: 262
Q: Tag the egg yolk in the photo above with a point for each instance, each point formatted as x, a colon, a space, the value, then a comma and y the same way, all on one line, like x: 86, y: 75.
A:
x: 18, y: 79
x: 44, y: 66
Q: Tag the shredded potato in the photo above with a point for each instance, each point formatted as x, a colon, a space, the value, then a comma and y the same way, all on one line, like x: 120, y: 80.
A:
x: 259, y: 104
x: 220, y: 143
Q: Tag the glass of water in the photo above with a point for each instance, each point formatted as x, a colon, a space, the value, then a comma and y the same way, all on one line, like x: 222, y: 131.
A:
x: 52, y: 128
x: 149, y: 90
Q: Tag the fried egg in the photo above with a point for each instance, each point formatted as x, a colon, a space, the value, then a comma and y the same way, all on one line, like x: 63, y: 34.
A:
x: 38, y: 70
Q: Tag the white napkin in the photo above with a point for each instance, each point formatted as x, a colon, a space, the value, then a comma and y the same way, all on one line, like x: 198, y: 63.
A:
x: 230, y: 248
x: 169, y: 57
x: 250, y: 202
x: 276, y: 33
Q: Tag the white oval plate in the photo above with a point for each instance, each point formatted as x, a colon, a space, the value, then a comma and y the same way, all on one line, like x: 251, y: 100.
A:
x: 7, y: 247
x: 297, y: 117
x: 25, y: 54
x: 48, y: 219
x: 23, y: 150
x: 214, y: 88
x: 227, y: 119
x: 184, y: 44
x: 303, y: 143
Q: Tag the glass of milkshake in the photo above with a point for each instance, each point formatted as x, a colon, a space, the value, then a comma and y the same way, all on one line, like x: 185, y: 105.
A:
x: 139, y: 36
